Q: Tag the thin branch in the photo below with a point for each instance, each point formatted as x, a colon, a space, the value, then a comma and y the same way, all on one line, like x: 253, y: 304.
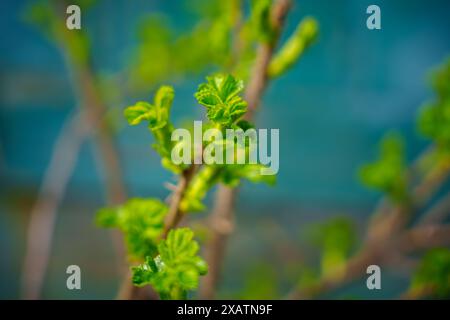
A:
x: 437, y: 213
x: 175, y: 214
x: 387, y: 228
x: 222, y: 215
x: 416, y: 239
x: 43, y: 215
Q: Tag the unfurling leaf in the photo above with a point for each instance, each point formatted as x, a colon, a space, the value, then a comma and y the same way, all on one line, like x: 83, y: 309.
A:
x: 157, y: 117
x: 176, y: 269
x: 220, y: 96
x: 293, y: 49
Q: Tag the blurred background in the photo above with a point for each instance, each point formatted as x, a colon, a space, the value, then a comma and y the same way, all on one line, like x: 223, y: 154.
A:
x: 332, y: 109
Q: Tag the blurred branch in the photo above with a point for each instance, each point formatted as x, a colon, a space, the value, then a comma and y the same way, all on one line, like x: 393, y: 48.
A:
x: 44, y: 213
x: 175, y: 214
x: 387, y: 236
x: 222, y: 216
x: 416, y: 239
x: 438, y: 212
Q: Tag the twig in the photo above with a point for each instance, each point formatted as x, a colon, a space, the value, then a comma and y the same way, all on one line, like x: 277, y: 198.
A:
x: 44, y: 213
x: 438, y: 212
x: 383, y: 237
x: 416, y: 239
x: 221, y: 220
x: 175, y: 214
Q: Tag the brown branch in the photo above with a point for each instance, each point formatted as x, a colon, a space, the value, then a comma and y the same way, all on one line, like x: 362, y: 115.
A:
x: 127, y: 290
x: 175, y: 214
x: 221, y: 220
x: 43, y: 214
x: 438, y: 212
x: 386, y: 233
x: 416, y: 239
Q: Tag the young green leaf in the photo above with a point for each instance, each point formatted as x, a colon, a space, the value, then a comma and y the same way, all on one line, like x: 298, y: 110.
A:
x: 220, y: 96
x: 141, y: 221
x: 157, y: 117
x: 176, y: 269
x: 293, y: 49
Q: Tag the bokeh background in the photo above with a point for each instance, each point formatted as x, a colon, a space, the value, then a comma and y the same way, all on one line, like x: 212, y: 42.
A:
x: 350, y: 88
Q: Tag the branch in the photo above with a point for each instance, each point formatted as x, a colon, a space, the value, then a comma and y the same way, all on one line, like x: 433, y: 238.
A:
x: 221, y: 220
x: 175, y: 214
x: 44, y: 212
x: 416, y: 239
x: 438, y: 212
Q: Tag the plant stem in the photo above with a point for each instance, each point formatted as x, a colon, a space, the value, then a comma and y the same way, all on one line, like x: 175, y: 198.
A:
x: 175, y: 214
x: 222, y: 216
x: 416, y: 239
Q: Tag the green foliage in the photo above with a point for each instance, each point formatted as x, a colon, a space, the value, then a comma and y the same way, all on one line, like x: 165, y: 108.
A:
x: 335, y: 238
x: 141, y: 221
x: 388, y: 174
x: 225, y: 107
x: 220, y: 96
x: 433, y: 274
x: 176, y: 269
x: 49, y: 17
x: 208, y: 43
x: 260, y: 282
x: 157, y: 117
x: 295, y: 46
x: 434, y: 118
x: 260, y: 20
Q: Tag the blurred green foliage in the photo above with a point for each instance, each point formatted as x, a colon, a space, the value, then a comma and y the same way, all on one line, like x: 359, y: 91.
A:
x: 434, y: 119
x: 433, y: 274
x: 335, y: 239
x: 389, y: 173
x: 260, y: 282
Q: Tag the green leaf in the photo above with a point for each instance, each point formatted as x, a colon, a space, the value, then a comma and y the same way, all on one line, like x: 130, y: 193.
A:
x: 220, y: 96
x: 157, y: 117
x: 107, y: 218
x: 293, y: 49
x: 388, y: 173
x: 260, y: 20
x: 434, y: 117
x: 335, y: 238
x: 433, y: 274
x: 176, y: 269
x: 233, y: 173
x: 139, y: 112
x: 141, y: 221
